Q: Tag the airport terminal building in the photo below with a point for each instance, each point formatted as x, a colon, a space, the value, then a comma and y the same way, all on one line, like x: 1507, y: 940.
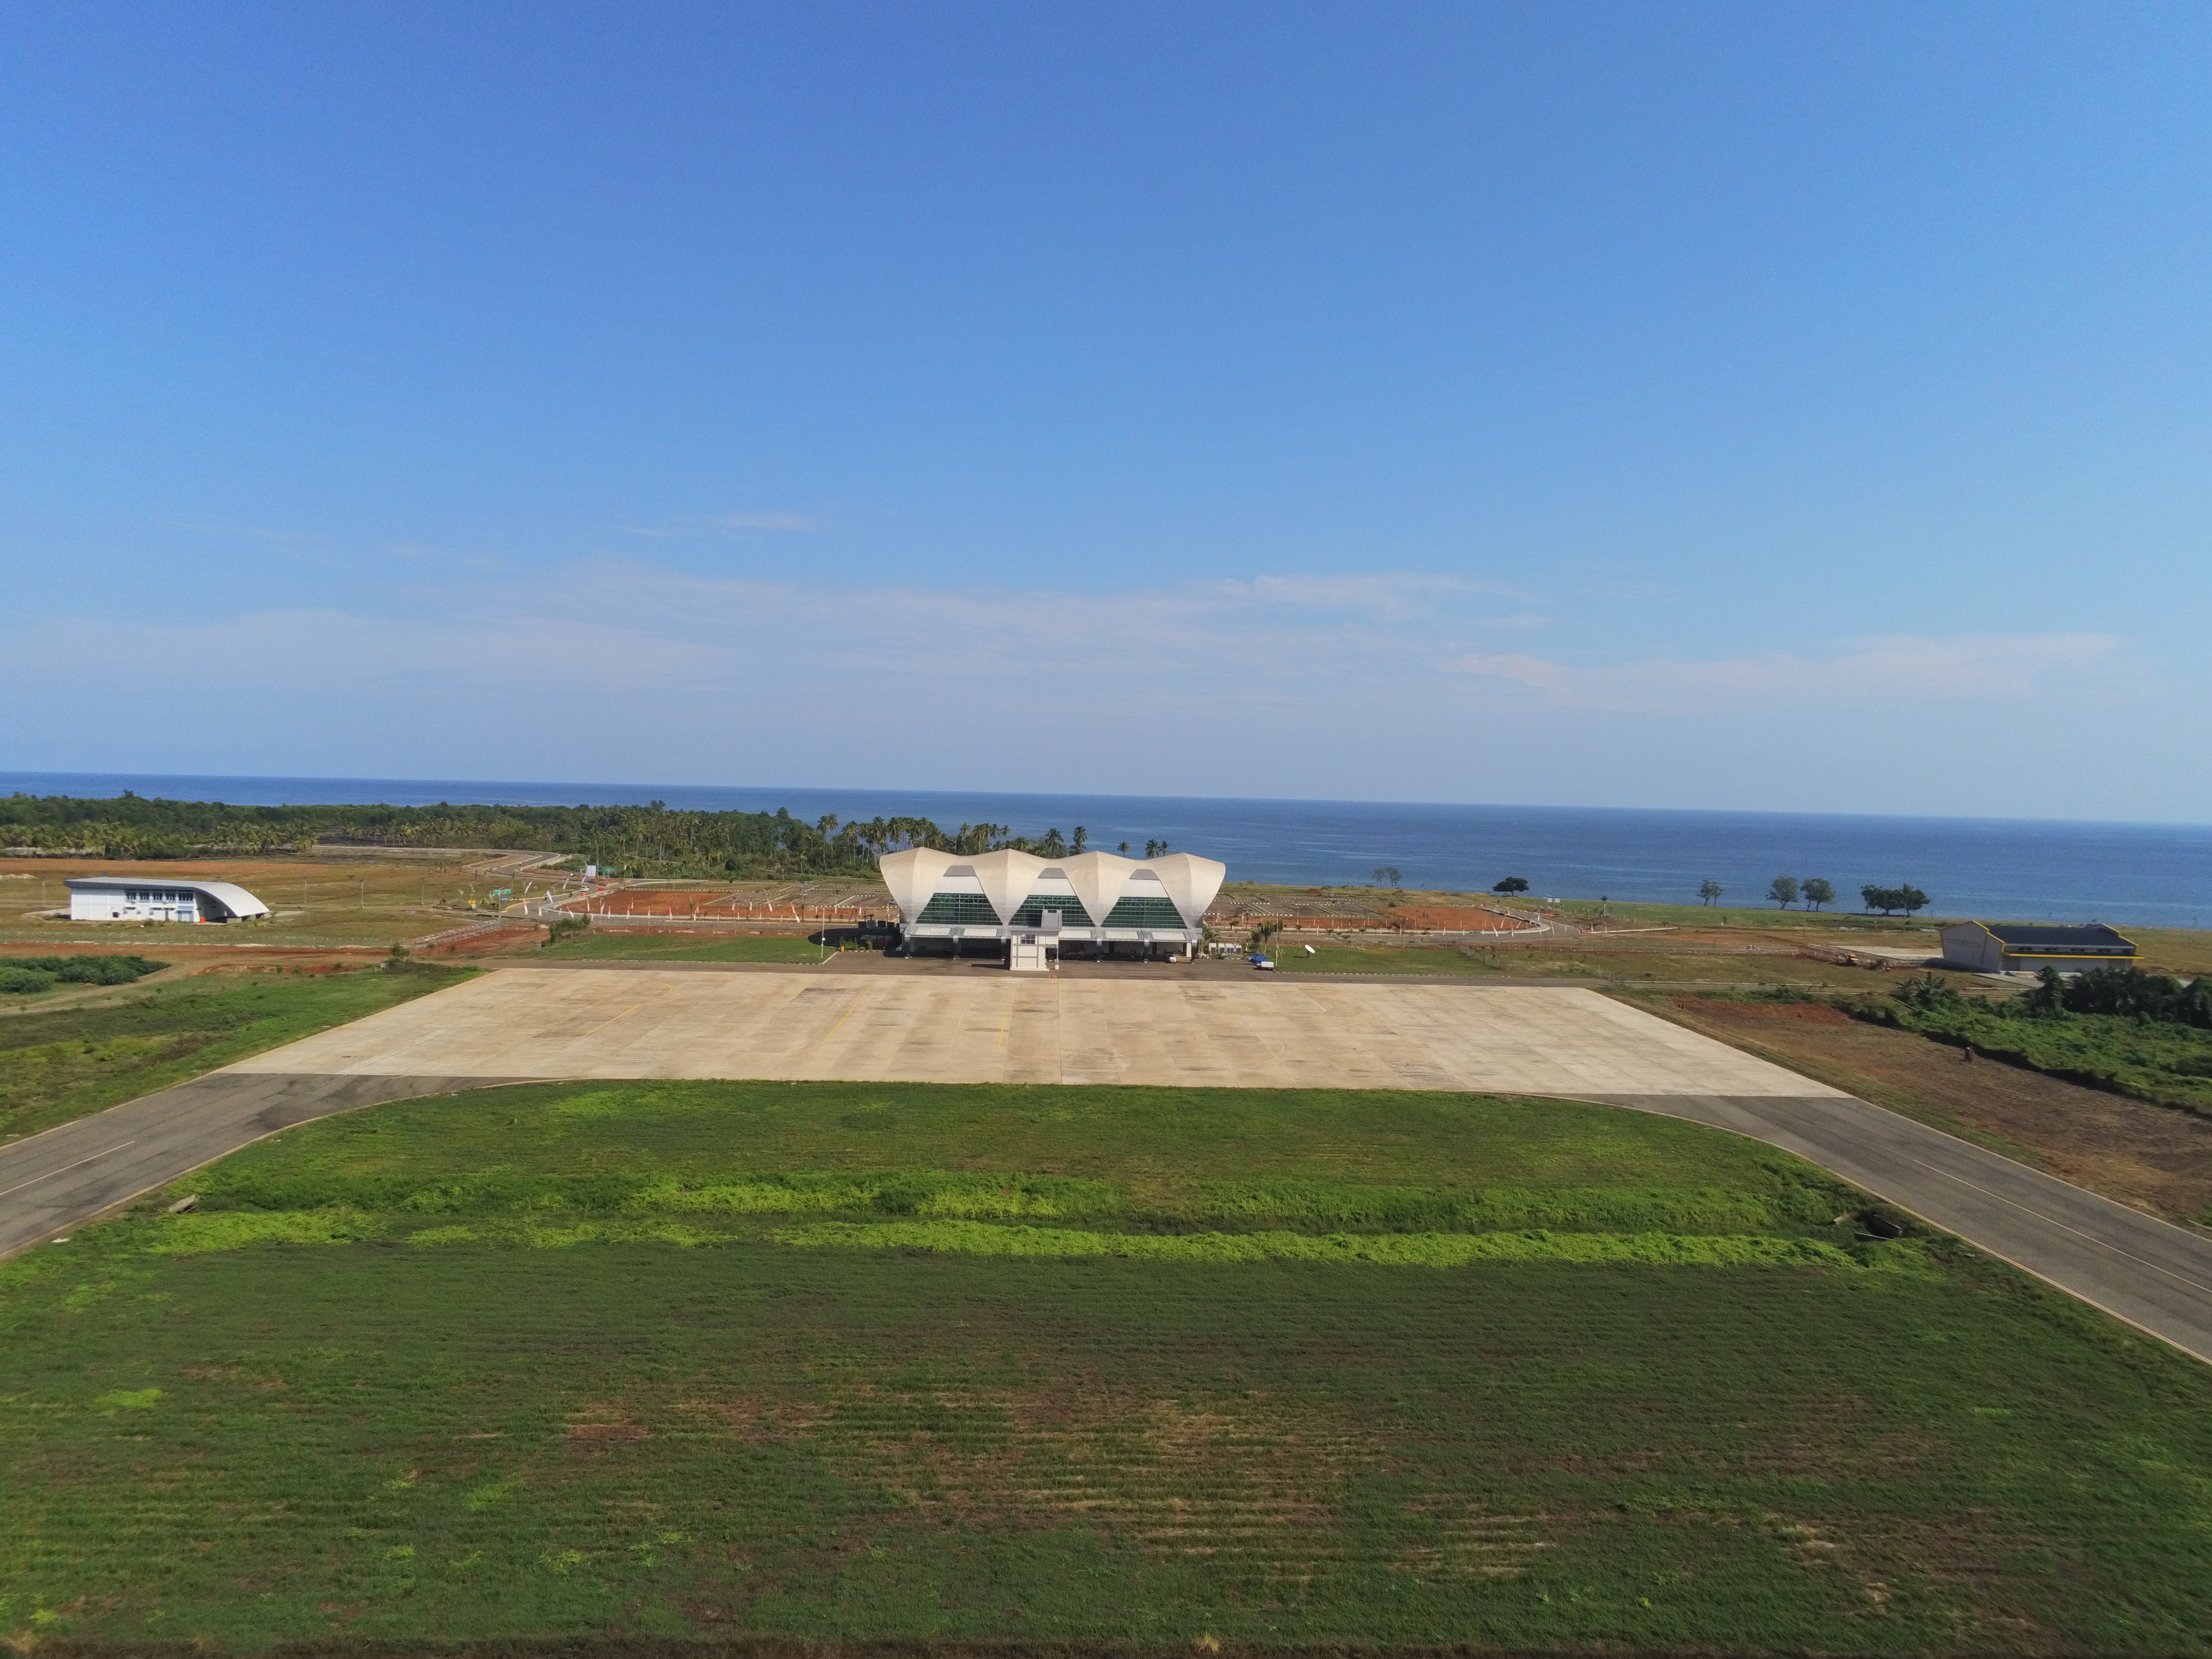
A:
x: 1034, y: 905
x: 144, y: 898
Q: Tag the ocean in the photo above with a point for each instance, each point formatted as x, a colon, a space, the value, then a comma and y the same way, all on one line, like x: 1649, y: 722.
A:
x: 2150, y: 875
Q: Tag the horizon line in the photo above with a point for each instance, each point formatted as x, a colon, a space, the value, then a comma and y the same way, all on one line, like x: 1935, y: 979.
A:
x: 548, y: 786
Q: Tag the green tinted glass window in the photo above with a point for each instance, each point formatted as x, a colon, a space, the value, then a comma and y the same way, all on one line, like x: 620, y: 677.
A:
x: 1145, y: 913
x: 971, y: 909
x: 1072, y: 913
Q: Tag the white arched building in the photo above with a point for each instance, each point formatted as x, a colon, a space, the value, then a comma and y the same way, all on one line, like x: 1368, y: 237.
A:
x: 1092, y: 898
x: 158, y: 898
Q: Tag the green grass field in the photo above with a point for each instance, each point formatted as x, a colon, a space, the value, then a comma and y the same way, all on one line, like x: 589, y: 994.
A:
x: 699, y: 1360
x: 609, y: 945
x: 90, y: 1055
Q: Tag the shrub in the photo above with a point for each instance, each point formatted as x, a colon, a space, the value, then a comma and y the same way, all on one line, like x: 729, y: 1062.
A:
x: 86, y: 970
x: 1929, y: 993
x: 23, y: 981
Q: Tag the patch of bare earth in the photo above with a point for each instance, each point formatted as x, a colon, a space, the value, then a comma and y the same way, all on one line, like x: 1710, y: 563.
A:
x: 2155, y: 1158
x: 1242, y: 1478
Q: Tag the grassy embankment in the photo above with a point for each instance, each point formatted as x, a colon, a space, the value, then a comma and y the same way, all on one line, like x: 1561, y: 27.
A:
x: 449, y: 1369
x: 63, y: 1064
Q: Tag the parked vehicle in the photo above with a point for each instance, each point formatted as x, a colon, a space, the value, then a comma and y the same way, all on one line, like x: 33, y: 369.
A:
x: 1263, y: 963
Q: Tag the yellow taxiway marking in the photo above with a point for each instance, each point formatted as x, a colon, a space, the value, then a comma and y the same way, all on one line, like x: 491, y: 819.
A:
x: 604, y: 1024
x: 841, y: 1019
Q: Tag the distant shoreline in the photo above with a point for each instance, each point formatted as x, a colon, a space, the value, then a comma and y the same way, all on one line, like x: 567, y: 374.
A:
x: 2147, y: 875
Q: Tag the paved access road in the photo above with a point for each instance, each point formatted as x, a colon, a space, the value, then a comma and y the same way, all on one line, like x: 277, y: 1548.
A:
x: 52, y: 1182
x: 2152, y: 1274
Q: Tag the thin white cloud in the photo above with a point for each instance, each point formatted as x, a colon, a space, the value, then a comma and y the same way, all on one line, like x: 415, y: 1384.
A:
x: 1889, y: 668
x: 1298, y: 669
x: 788, y: 522
x: 630, y: 669
x: 723, y: 524
x: 1388, y: 594
x: 1195, y: 630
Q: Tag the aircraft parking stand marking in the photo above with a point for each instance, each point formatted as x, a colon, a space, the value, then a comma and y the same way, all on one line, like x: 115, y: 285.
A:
x: 994, y: 1028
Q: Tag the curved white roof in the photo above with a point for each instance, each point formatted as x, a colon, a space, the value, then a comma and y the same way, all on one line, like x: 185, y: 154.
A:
x: 229, y: 894
x: 1007, y: 877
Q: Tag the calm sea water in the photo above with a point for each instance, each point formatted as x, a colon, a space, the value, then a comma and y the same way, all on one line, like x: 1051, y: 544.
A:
x: 2018, y: 869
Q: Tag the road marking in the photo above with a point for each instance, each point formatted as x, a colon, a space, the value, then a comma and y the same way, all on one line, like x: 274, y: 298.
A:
x: 2063, y: 1227
x: 851, y: 1003
x: 64, y: 1170
x: 604, y: 1024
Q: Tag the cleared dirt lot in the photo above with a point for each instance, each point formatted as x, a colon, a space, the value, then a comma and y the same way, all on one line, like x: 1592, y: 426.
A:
x: 995, y: 1028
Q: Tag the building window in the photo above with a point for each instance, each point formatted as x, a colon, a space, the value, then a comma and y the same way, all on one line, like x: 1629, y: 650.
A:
x: 1072, y: 913
x: 1145, y: 913
x: 960, y: 909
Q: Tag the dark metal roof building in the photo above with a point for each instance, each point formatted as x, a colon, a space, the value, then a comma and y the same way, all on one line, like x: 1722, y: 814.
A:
x: 2002, y: 947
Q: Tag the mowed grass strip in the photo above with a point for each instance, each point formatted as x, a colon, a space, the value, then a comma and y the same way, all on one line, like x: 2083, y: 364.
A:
x: 1232, y: 1135
x: 609, y: 945
x: 425, y: 1424
x: 1425, y: 959
x: 82, y: 1059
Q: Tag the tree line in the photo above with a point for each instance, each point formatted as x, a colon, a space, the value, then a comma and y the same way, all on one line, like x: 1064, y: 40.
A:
x: 1815, y: 891
x: 2119, y: 990
x: 650, y: 839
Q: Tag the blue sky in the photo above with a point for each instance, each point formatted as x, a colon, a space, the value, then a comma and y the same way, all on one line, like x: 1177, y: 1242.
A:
x: 1797, y: 407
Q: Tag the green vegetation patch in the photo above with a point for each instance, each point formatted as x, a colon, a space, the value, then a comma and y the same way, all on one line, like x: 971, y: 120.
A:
x: 27, y: 975
x: 1141, y: 1158
x: 61, y: 1064
x: 1385, y: 1249
x: 2166, y: 1059
x: 679, y: 1362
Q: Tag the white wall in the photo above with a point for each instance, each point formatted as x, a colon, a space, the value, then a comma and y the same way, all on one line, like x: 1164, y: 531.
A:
x: 1971, y: 946
x: 150, y: 903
